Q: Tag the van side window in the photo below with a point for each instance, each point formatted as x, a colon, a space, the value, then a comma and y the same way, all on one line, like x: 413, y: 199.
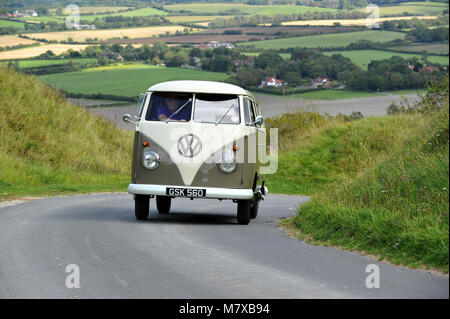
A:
x: 248, y: 112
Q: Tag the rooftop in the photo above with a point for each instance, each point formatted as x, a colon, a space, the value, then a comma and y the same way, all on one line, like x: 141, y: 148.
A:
x: 199, y: 87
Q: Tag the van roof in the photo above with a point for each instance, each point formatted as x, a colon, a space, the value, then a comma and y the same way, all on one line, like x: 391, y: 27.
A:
x: 199, y: 87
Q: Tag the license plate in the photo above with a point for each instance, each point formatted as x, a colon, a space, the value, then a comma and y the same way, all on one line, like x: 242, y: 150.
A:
x: 185, y: 192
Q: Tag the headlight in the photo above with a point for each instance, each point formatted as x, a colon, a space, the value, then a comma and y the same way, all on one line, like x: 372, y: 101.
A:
x: 227, y: 163
x: 150, y: 160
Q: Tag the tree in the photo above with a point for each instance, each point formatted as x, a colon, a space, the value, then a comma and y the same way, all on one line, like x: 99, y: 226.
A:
x: 268, y: 59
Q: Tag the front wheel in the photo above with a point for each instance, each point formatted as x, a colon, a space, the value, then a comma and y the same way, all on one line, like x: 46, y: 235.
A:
x: 163, y: 204
x: 254, y: 208
x: 243, y: 212
x: 141, y: 206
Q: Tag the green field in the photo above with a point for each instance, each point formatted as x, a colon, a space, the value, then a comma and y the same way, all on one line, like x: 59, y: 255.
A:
x: 363, y: 57
x: 126, y: 80
x: 133, y: 13
x: 327, y: 40
x: 214, y: 8
x: 417, y: 8
x: 438, y: 48
x: 8, y: 23
x: 35, y: 63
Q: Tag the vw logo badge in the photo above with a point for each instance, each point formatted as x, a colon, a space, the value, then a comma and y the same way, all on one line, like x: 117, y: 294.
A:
x: 189, y: 145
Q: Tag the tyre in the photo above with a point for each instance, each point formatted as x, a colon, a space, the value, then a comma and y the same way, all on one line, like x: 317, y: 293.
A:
x: 141, y: 206
x: 254, y: 208
x: 163, y: 204
x: 243, y: 212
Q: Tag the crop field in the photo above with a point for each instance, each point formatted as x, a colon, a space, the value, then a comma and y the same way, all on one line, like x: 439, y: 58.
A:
x: 363, y: 57
x: 8, y: 23
x: 419, y: 8
x: 82, y: 35
x: 349, y: 22
x: 35, y: 63
x: 435, y: 48
x: 327, y: 40
x: 12, y: 40
x: 38, y: 50
x: 125, y: 80
x: 214, y: 8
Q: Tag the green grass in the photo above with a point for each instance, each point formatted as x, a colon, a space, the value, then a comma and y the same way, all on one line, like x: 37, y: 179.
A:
x: 327, y: 40
x: 36, y: 63
x: 48, y: 146
x: 363, y: 57
x: 214, y: 8
x: 438, y: 48
x: 133, y: 13
x: 417, y: 8
x: 126, y: 80
x: 379, y: 185
x: 8, y: 23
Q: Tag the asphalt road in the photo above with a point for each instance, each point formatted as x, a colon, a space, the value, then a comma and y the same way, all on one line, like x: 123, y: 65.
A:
x: 198, y: 251
x: 274, y: 105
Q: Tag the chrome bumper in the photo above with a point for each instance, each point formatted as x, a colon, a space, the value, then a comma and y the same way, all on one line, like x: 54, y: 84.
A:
x: 211, y: 192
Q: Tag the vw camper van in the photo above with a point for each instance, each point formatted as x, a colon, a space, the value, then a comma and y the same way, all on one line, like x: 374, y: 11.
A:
x: 197, y: 140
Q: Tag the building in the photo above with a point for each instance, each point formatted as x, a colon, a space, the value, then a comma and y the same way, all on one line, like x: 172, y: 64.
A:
x: 321, y: 81
x: 271, y: 81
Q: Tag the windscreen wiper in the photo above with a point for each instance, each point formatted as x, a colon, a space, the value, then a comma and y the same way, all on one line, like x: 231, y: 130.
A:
x: 179, y: 109
x: 219, y: 120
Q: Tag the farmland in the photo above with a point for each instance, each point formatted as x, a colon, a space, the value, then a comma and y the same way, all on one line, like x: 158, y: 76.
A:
x: 349, y: 22
x: 363, y: 57
x: 184, y: 19
x: 215, y: 8
x: 82, y: 35
x: 327, y: 40
x: 36, y: 63
x: 247, y: 33
x: 126, y: 80
x: 8, y: 23
x: 419, y: 8
x: 96, y: 10
x: 12, y: 40
x: 38, y: 50
x: 438, y: 48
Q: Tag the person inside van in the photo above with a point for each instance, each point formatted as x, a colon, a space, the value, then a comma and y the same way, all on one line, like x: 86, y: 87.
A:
x: 171, y: 105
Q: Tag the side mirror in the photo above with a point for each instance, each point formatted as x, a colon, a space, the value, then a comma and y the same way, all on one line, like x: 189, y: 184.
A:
x: 127, y: 118
x: 259, y: 120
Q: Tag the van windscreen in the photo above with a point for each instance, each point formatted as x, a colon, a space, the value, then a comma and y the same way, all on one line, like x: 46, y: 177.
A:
x: 172, y: 106
x: 217, y: 108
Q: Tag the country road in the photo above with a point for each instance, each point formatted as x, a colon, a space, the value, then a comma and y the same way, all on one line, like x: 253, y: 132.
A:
x: 197, y: 251
x: 275, y: 105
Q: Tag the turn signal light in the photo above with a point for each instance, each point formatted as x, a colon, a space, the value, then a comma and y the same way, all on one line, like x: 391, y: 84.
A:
x: 145, y: 143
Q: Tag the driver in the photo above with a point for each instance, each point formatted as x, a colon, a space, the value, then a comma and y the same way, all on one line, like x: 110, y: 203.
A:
x: 171, y: 105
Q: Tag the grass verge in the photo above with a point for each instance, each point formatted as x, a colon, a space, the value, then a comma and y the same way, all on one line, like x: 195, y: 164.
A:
x: 48, y: 146
x: 378, y: 185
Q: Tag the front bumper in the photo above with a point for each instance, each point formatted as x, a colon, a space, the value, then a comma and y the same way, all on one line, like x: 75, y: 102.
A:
x: 211, y: 192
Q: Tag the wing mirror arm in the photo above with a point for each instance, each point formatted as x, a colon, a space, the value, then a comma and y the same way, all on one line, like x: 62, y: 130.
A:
x: 259, y: 120
x: 128, y: 119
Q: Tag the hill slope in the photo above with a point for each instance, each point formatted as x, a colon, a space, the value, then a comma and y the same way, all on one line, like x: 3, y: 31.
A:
x: 379, y: 185
x: 49, y: 146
